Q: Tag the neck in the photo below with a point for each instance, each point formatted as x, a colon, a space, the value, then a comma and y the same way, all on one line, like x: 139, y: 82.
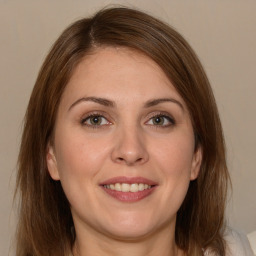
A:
x: 92, y: 243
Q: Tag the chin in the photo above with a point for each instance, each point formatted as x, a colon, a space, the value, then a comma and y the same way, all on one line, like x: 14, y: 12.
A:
x: 129, y: 234
x: 132, y: 228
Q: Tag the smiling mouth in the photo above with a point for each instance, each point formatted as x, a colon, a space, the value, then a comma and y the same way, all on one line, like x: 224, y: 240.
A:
x: 129, y: 189
x: 125, y: 187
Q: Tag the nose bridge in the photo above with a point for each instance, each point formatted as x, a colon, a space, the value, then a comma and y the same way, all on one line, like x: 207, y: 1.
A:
x: 129, y: 145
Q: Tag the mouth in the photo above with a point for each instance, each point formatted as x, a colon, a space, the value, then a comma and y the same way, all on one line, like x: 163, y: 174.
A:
x: 128, y: 189
x: 125, y: 187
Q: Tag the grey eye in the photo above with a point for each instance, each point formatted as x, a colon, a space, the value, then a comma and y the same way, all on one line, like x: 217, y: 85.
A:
x: 158, y: 120
x: 95, y: 120
x: 161, y: 120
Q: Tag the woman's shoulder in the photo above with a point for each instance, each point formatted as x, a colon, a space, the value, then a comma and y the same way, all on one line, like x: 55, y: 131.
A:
x: 237, y: 244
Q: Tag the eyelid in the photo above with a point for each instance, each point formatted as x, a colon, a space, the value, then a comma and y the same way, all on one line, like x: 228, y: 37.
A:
x: 94, y: 114
x: 164, y: 115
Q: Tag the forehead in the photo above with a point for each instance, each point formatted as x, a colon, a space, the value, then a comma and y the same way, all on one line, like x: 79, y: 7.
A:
x: 117, y: 73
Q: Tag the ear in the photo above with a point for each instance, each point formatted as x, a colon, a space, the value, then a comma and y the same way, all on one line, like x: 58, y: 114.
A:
x: 52, y: 163
x: 196, y: 163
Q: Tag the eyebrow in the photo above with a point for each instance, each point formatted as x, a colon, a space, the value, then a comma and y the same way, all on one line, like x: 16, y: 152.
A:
x: 101, y: 101
x: 109, y: 103
x: 155, y: 102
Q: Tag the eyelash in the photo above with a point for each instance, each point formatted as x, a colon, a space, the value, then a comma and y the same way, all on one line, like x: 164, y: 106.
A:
x: 170, y: 120
x: 84, y: 119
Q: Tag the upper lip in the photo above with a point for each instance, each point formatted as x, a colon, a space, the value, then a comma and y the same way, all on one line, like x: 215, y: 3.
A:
x: 128, y: 180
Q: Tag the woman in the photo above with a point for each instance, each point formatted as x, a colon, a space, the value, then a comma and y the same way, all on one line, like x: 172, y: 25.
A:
x: 122, y: 151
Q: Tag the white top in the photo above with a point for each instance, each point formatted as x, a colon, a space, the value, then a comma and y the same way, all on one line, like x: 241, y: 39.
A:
x: 252, y: 240
x: 237, y: 243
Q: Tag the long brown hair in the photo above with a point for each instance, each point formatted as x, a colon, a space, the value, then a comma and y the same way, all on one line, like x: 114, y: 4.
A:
x: 45, y: 222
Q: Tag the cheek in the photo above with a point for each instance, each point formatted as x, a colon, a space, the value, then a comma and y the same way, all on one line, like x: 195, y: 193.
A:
x: 174, y: 161
x: 175, y: 155
x: 79, y: 159
x: 78, y: 165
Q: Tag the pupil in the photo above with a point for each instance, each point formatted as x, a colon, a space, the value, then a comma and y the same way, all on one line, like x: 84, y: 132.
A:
x: 96, y: 120
x: 158, y: 120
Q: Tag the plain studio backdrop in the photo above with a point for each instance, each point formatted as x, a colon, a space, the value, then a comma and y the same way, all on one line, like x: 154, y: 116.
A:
x: 223, y: 34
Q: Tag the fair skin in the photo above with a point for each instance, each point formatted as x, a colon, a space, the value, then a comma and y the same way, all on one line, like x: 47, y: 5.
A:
x: 120, y: 116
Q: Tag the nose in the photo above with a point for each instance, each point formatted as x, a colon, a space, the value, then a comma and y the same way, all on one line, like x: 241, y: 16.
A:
x: 129, y: 147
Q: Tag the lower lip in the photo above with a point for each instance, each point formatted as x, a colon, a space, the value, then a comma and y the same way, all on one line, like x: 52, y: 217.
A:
x: 129, y: 196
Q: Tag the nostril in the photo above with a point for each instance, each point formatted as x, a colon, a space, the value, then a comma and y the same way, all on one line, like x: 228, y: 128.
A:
x: 139, y: 159
x: 129, y: 161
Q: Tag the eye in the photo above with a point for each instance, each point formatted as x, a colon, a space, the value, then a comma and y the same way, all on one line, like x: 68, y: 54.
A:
x: 95, y: 120
x: 161, y: 120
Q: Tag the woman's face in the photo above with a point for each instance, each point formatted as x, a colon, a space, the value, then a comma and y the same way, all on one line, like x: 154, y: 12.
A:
x: 123, y: 145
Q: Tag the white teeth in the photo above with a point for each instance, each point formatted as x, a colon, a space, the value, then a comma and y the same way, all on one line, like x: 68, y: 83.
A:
x: 134, y: 187
x: 124, y: 187
x: 141, y: 187
x: 118, y: 187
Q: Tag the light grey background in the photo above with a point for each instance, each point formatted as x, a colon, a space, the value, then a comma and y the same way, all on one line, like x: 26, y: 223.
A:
x: 223, y: 34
